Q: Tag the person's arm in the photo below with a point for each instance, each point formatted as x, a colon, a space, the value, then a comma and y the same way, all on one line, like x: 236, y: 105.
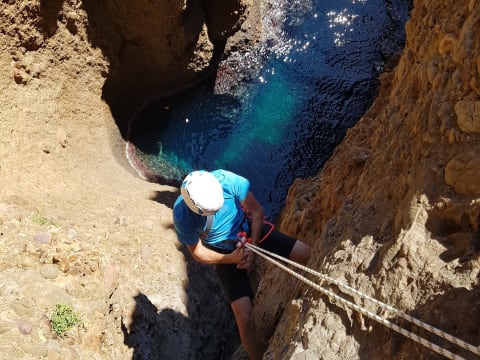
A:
x: 256, y: 212
x: 204, y: 255
x: 252, y: 205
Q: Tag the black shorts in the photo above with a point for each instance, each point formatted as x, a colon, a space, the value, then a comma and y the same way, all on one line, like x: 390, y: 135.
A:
x: 235, y: 282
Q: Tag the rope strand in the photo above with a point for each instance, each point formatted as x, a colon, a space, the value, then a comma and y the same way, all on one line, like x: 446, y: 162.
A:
x: 267, y: 255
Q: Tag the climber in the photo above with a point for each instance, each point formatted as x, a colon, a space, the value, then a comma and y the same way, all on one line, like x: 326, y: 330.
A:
x: 208, y: 215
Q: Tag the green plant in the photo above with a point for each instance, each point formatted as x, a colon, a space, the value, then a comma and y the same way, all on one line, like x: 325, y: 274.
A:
x: 41, y: 220
x: 64, y: 317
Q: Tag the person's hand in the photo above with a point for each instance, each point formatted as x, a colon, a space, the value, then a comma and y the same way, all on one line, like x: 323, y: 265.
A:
x: 236, y: 256
x: 246, y: 259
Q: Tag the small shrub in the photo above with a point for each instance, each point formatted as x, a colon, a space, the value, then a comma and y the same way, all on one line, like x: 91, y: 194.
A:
x: 41, y: 220
x: 64, y: 318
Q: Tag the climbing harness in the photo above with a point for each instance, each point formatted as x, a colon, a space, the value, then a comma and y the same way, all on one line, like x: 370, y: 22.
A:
x: 438, y: 349
x: 244, y: 236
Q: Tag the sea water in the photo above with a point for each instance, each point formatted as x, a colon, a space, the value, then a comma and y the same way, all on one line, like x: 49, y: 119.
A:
x: 290, y: 102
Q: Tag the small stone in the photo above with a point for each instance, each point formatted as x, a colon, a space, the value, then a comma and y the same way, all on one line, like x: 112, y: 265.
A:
x: 72, y: 234
x: 360, y: 156
x: 93, y: 266
x: 122, y: 221
x: 62, y: 262
x: 36, y: 69
x: 18, y: 77
x: 447, y: 43
x: 49, y: 271
x: 110, y: 279
x: 45, y: 147
x: 43, y: 238
x: 24, y: 326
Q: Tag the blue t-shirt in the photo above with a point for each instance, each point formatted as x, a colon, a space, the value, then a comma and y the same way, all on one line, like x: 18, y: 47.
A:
x: 226, y: 221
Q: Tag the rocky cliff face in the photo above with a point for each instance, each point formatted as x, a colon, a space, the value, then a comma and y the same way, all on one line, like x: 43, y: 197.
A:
x: 394, y: 213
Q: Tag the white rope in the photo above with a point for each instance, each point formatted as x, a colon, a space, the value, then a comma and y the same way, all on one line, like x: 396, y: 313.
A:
x: 408, y: 334
x: 428, y: 327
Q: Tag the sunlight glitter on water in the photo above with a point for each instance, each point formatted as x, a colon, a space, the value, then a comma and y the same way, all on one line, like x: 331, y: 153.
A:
x: 341, y: 22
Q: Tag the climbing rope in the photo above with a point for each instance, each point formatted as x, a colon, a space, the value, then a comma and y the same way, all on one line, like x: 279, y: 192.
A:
x: 269, y: 256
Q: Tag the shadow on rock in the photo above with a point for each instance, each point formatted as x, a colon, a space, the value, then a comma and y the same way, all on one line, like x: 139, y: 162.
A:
x: 208, y: 331
x: 166, y: 198
x: 155, y: 335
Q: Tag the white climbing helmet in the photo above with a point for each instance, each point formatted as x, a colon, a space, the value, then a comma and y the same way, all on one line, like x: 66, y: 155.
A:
x: 202, y: 192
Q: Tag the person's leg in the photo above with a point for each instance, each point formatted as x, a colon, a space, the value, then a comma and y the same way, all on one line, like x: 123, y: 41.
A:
x: 301, y: 252
x: 236, y: 285
x: 243, y: 312
x: 286, y: 246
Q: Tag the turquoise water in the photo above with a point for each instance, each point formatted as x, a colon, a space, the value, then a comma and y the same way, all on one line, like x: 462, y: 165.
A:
x: 284, y: 105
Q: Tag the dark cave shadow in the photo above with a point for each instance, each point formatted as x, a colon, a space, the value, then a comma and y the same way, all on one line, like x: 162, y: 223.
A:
x: 49, y: 12
x: 161, y: 115
x: 207, y: 332
x: 124, y: 92
x: 166, y: 198
x: 459, y: 236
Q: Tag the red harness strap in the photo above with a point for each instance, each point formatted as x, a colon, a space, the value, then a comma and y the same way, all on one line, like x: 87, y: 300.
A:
x: 243, y: 236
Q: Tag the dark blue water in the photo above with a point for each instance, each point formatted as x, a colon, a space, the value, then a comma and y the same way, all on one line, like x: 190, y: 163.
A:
x: 277, y: 112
